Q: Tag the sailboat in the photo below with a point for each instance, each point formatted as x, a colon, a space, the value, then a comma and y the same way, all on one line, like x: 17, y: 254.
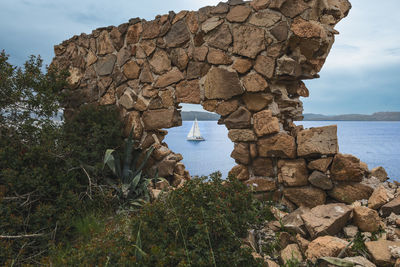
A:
x: 194, y: 134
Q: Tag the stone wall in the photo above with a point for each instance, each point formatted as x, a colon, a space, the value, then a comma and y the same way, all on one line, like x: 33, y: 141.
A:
x: 243, y: 60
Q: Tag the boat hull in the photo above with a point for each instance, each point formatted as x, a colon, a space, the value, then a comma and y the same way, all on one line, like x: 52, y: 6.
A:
x: 198, y: 139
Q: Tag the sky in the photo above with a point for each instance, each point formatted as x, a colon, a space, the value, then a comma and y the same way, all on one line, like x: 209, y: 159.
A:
x: 361, y: 74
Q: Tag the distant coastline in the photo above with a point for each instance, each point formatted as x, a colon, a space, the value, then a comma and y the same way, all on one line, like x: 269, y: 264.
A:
x: 378, y: 116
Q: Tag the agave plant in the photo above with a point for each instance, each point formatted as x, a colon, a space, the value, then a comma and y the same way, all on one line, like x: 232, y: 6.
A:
x: 132, y: 183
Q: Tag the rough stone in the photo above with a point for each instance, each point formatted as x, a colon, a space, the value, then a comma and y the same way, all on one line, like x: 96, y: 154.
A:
x: 392, y: 206
x: 325, y: 246
x: 132, y: 121
x: 308, y: 29
x: 317, y: 141
x: 148, y: 46
x: 177, y: 35
x: 254, y: 82
x: 210, y: 105
x: 265, y: 18
x: 241, y: 172
x: 171, y: 77
x: 350, y: 231
x: 265, y: 123
x: 248, y: 40
x: 238, y: 14
x: 380, y: 253
x: 221, y: 38
x: 380, y: 173
x: 290, y: 253
x: 241, y: 153
x: 222, y: 84
x: 309, y: 197
x: 200, y: 53
x: 218, y: 57
x: 188, y: 92
x: 262, y: 184
x: 265, y: 66
x: 197, y: 70
x: 242, y: 135
x: 166, y: 167
x: 104, y: 66
x: 293, y: 172
x: 350, y: 192
x: 294, y: 223
x: 320, y: 180
x: 259, y: 4
x: 161, y: 118
x: 321, y: 165
x: 379, y: 197
x: 146, y: 76
x: 263, y: 167
x: 240, y: 119
x: 160, y: 63
x: 279, y: 145
x: 288, y: 67
x: 280, y: 31
x: 133, y: 33
x: 227, y: 107
x: 326, y: 219
x: 346, y: 168
x: 366, y: 219
x: 257, y: 101
x: 192, y: 22
x: 151, y: 29
x: 104, y: 44
x: 242, y: 66
x: 131, y: 70
x: 179, y: 58
x: 211, y: 24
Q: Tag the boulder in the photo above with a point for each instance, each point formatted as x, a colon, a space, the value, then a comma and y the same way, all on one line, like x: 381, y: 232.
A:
x: 346, y: 168
x: 131, y: 70
x: 238, y: 14
x: 241, y: 172
x: 317, y: 141
x: 242, y: 65
x: 392, y: 206
x: 104, y: 66
x: 197, y: 70
x: 263, y: 167
x: 380, y: 253
x: 222, y: 84
x: 350, y: 192
x: 265, y: 123
x: 293, y: 172
x: 179, y: 58
x: 218, y: 57
x: 308, y: 29
x: 225, y: 108
x: 241, y: 135
x: 240, y: 119
x: 294, y: 223
x: 211, y: 24
x: 325, y: 246
x: 104, y: 44
x: 265, y: 18
x: 321, y: 165
x: 253, y: 82
x: 133, y: 33
x: 221, y: 38
x: 309, y: 197
x: 188, y: 92
x: 161, y: 118
x: 280, y: 145
x: 166, y: 167
x: 350, y: 231
x: 280, y: 31
x: 326, y: 219
x: 151, y: 29
x: 256, y: 102
x: 160, y: 62
x: 265, y: 66
x: 259, y: 4
x: 380, y: 173
x: 241, y: 153
x: 177, y: 35
x: 248, y: 40
x: 262, y: 184
x: 291, y: 253
x: 171, y: 77
x: 200, y: 53
x: 379, y: 197
x: 320, y: 180
x: 366, y: 219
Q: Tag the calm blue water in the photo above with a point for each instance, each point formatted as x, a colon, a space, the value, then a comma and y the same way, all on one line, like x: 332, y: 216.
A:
x: 375, y: 143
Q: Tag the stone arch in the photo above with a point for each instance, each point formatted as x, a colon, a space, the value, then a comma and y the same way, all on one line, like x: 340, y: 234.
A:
x: 243, y: 60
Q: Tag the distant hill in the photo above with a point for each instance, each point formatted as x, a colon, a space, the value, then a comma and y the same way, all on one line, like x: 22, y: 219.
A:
x: 201, y: 116
x: 378, y: 116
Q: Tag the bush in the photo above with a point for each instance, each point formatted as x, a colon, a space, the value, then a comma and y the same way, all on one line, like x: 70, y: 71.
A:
x: 201, y: 224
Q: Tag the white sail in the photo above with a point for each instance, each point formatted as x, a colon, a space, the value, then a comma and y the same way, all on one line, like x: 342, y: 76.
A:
x: 191, y: 132
x: 194, y: 133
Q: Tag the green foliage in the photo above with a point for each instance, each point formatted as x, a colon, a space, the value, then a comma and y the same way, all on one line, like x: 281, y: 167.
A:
x: 359, y: 247
x: 200, y: 224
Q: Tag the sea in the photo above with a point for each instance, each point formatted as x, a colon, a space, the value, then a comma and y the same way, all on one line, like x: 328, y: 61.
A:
x: 376, y: 143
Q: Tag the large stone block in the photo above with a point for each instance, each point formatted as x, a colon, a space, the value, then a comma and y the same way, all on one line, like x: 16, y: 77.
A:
x: 161, y: 118
x: 347, y: 168
x: 248, y: 40
x: 242, y: 135
x: 262, y: 184
x: 317, y: 141
x: 308, y: 197
x: 293, y: 172
x: 265, y: 124
x: 280, y: 145
x: 263, y: 167
x: 222, y: 84
x: 240, y: 119
x: 350, y: 192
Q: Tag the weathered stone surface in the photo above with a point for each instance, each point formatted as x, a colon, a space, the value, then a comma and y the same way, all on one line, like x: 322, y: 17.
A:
x: 259, y: 4
x: 326, y: 219
x: 288, y: 67
x: 188, y: 92
x: 151, y: 29
x: 131, y: 70
x: 290, y: 253
x: 238, y: 14
x: 279, y: 145
x: 254, y: 82
x: 177, y: 35
x: 321, y: 165
x: 265, y: 123
x: 108, y: 98
x: 197, y: 70
x: 320, y: 180
x: 179, y: 58
x: 218, y: 57
x: 280, y: 31
x: 258, y: 101
x: 74, y: 78
x: 309, y: 197
x: 263, y: 167
x: 221, y: 38
x: 241, y: 153
x: 240, y: 119
x: 241, y: 172
x: 265, y: 66
x: 146, y: 76
x: 192, y: 22
x: 392, y: 206
x: 248, y: 40
x: 222, y: 84
x: 265, y: 18
x: 104, y: 44
x: 160, y: 63
x: 133, y: 33
x: 308, y: 29
x: 292, y: 8
x: 350, y: 192
x: 173, y: 76
x: 294, y: 223
x: 242, y: 65
x: 366, y: 219
x: 132, y: 121
x: 161, y: 118
x: 91, y: 58
x: 227, y: 107
x: 379, y: 197
x: 262, y: 184
x: 380, y: 253
x: 380, y: 173
x: 210, y: 105
x: 200, y: 53
x: 148, y: 46
x: 104, y: 66
x: 325, y: 246
x: 166, y: 167
x: 242, y: 135
x: 346, y: 168
x: 211, y: 24
x: 317, y: 141
x: 293, y: 172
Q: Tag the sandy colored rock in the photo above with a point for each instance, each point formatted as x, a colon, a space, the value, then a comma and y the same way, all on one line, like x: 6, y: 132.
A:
x: 241, y: 135
x: 293, y: 172
x: 218, y: 57
x: 265, y: 66
x: 254, y: 82
x: 146, y: 76
x: 179, y: 58
x: 320, y: 180
x: 257, y: 101
x: 379, y: 197
x: 265, y: 123
x: 192, y: 21
x: 241, y: 153
x: 350, y: 192
x: 211, y: 24
x: 380, y: 173
x: 242, y: 65
x: 265, y: 18
x: 240, y: 119
x: 259, y: 4
x: 104, y: 44
x: 197, y: 70
x: 200, y: 53
x: 346, y: 168
x: 288, y: 67
x: 238, y: 14
x: 262, y: 184
x: 392, y: 206
x: 108, y: 98
x: 263, y: 167
x: 321, y: 165
x: 177, y: 35
x: 222, y: 84
x: 221, y: 38
x: 188, y: 92
x: 292, y: 8
x: 210, y: 105
x: 317, y: 141
x: 104, y: 66
x: 291, y: 252
x: 241, y: 172
x: 366, y: 219
x: 248, y: 40
x: 279, y: 145
x: 160, y: 62
x: 308, y: 29
x: 131, y: 70
x: 148, y: 46
x: 151, y: 29
x: 227, y: 107
x: 132, y: 121
x: 161, y: 118
x: 309, y: 197
x: 294, y: 223
x: 280, y: 31
x: 173, y: 76
x: 325, y: 246
x: 379, y: 251
x: 326, y: 219
x: 133, y: 33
